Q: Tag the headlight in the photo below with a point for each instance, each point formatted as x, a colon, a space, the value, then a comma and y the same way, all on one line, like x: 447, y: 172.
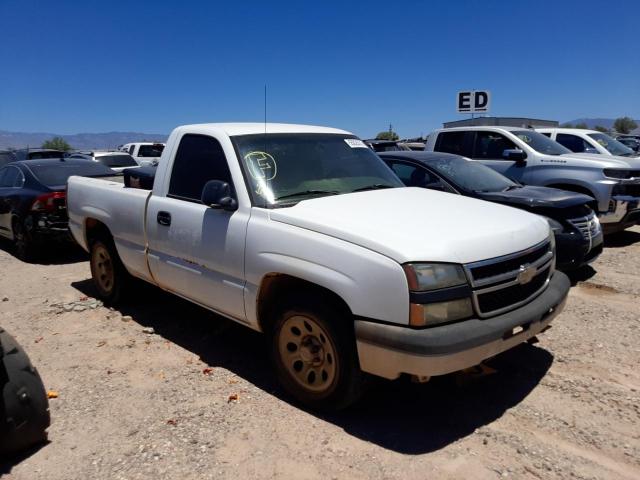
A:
x: 431, y: 276
x: 556, y: 227
x: 426, y: 309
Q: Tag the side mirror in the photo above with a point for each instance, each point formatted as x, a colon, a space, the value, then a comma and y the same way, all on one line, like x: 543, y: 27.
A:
x: 514, y: 154
x: 217, y: 194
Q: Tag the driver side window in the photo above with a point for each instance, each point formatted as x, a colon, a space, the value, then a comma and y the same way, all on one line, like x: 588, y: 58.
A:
x: 199, y: 158
x: 573, y: 142
x: 491, y: 145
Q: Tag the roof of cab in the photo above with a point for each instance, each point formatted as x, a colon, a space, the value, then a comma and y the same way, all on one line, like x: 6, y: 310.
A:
x: 575, y: 131
x: 232, y: 129
x: 483, y: 127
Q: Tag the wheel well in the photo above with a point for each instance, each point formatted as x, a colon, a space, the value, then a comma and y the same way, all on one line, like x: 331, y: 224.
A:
x: 577, y: 189
x: 95, y: 229
x: 277, y: 288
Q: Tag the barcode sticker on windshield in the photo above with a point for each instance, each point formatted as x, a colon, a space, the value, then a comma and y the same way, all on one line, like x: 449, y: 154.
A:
x: 355, y: 143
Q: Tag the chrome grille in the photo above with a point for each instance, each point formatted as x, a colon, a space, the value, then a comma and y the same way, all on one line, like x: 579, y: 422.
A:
x: 504, y: 283
x: 589, y: 227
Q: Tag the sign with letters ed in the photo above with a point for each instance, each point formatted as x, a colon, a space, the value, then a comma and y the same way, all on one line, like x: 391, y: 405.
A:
x: 473, y: 101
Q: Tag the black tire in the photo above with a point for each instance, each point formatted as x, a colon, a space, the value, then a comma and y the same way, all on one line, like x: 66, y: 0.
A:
x: 24, y: 244
x: 332, y: 327
x: 105, y: 261
x: 24, y: 408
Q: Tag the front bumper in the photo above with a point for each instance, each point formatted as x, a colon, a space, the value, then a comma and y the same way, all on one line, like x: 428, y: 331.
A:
x: 624, y: 212
x: 573, y: 250
x: 391, y: 350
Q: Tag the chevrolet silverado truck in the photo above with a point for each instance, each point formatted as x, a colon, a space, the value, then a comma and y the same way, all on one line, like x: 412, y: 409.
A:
x: 531, y: 158
x: 304, y: 234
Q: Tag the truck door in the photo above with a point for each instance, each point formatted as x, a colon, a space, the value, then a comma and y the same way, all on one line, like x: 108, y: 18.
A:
x: 489, y: 147
x: 194, y: 250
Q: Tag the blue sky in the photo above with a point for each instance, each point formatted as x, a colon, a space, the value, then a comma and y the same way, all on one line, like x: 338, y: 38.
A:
x: 88, y: 66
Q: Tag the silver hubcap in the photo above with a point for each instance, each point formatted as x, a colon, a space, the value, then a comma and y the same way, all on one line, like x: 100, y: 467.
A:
x: 307, y: 353
x: 103, y: 268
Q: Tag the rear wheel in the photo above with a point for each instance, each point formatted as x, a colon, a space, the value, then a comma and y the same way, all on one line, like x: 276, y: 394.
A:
x: 23, y: 242
x: 109, y: 274
x: 314, y: 353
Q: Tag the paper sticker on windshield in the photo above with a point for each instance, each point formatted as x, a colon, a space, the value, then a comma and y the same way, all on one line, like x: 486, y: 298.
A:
x: 355, y: 143
x: 261, y: 165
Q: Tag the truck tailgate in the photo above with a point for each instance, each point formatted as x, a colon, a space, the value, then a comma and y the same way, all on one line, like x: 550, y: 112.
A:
x: 121, y: 209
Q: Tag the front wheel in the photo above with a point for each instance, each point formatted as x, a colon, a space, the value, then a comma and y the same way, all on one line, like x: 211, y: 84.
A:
x: 314, y: 353
x: 109, y: 274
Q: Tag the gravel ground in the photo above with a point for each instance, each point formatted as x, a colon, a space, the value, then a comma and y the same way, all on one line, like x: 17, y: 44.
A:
x: 162, y: 389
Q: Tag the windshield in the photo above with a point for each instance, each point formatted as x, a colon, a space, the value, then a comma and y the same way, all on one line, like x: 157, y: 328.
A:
x: 151, y: 150
x: 286, y: 168
x: 53, y: 175
x: 471, y: 176
x: 613, y: 146
x: 541, y: 143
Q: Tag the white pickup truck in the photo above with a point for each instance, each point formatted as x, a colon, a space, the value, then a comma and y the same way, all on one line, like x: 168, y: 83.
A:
x: 144, y: 153
x: 303, y: 233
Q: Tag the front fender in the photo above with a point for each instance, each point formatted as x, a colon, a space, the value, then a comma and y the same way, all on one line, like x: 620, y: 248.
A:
x: 372, y: 285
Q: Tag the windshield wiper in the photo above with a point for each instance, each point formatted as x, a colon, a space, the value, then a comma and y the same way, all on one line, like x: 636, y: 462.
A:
x: 375, y: 186
x: 308, y: 192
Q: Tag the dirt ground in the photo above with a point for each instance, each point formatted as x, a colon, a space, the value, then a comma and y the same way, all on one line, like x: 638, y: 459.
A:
x: 196, y: 398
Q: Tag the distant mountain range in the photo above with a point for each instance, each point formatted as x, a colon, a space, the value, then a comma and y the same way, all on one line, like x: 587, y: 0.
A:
x: 79, y: 141
x: 87, y: 141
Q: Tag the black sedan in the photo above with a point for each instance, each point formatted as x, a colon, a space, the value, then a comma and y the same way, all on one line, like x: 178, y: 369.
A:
x: 577, y: 230
x: 33, y: 207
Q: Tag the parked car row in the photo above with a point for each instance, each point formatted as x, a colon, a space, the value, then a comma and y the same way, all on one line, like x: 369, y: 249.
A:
x: 531, y: 158
x: 353, y: 263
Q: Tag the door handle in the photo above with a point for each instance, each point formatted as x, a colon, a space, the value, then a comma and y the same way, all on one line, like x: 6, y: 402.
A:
x: 164, y: 218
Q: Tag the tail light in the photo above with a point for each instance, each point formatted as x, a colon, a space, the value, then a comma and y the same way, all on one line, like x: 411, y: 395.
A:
x: 49, y: 202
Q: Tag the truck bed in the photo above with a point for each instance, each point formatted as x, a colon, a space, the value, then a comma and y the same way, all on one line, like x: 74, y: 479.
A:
x: 120, y: 208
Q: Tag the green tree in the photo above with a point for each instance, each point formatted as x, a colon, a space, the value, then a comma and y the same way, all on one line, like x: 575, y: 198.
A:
x: 582, y: 125
x: 388, y: 135
x: 602, y: 129
x: 624, y: 125
x: 57, y: 143
x: 566, y: 125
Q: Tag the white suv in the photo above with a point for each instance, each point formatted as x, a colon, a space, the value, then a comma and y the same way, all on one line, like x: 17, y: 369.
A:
x: 579, y: 140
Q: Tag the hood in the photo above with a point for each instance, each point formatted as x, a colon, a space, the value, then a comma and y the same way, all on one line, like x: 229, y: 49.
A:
x: 416, y: 224
x: 604, y: 161
x: 537, y: 197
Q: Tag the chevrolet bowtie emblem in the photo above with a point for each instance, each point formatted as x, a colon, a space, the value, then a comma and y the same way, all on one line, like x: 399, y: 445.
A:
x: 526, y: 274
